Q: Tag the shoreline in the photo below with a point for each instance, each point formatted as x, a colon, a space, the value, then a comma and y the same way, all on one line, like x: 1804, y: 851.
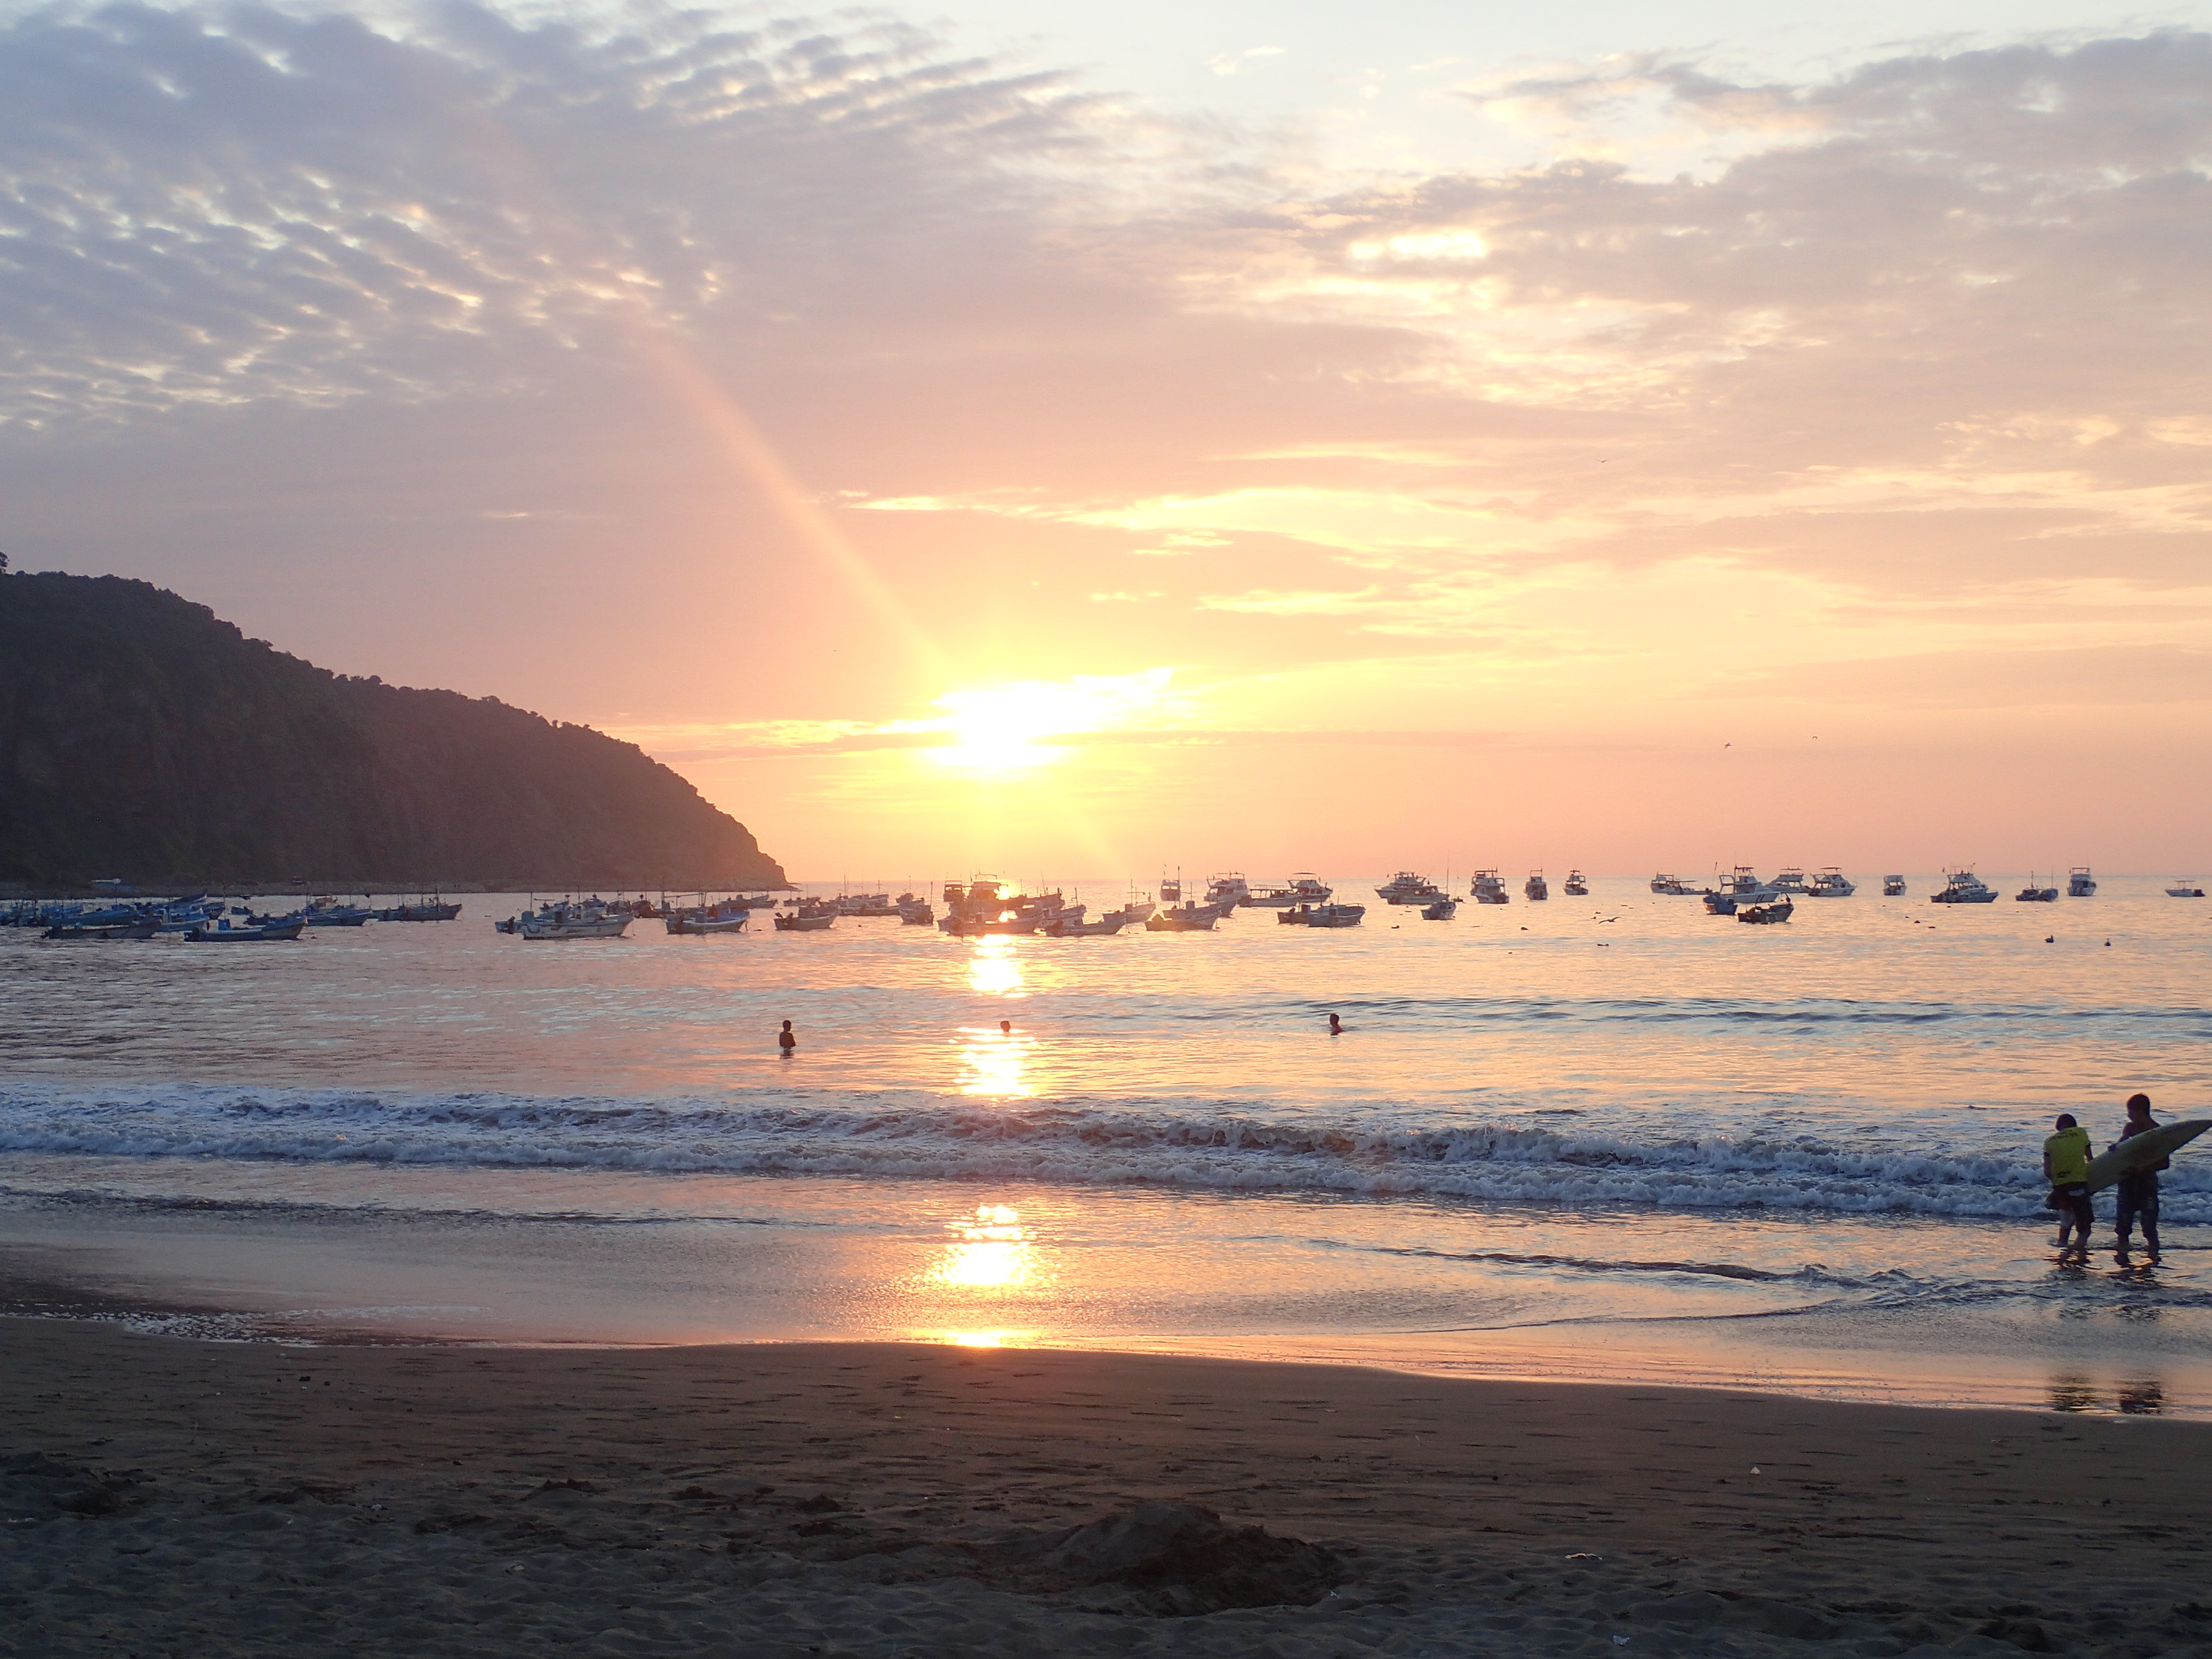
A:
x: 888, y: 1498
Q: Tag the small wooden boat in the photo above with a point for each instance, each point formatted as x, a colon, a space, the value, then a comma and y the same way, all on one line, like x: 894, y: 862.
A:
x: 1073, y: 925
x: 99, y: 930
x: 804, y: 922
x: 677, y: 923
x: 1182, y: 919
x: 1336, y: 915
x: 269, y: 932
x: 1765, y: 913
x: 1443, y: 910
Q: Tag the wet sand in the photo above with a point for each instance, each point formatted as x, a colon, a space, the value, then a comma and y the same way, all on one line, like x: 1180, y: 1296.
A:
x: 168, y: 1496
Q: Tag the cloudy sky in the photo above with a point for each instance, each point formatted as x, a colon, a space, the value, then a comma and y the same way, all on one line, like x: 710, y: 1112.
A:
x: 1078, y: 440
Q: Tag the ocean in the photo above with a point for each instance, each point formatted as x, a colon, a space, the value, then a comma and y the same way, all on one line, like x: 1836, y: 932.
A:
x: 1603, y: 1137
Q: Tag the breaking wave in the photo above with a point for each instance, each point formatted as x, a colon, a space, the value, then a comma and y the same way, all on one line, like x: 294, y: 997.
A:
x: 1181, y: 1145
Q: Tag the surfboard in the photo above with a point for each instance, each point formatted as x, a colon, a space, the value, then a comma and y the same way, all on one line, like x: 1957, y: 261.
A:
x: 2138, y: 1152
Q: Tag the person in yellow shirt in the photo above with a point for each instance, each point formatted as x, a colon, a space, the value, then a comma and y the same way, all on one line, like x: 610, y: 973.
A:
x: 2066, y: 1167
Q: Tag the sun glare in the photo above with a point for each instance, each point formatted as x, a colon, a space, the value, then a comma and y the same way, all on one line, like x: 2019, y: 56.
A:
x: 1013, y: 727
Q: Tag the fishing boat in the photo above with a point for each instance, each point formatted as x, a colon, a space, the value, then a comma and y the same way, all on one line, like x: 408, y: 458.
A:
x: 422, y: 909
x: 327, y: 912
x: 705, y: 921
x: 915, y: 913
x: 63, y: 930
x: 1534, y: 889
x: 1779, y: 911
x: 2034, y: 894
x: 1963, y: 887
x: 1893, y: 886
x: 1673, y: 886
x: 591, y: 919
x: 1070, y: 924
x: 810, y: 918
x: 1182, y: 919
x: 1740, y: 888
x: 1305, y: 888
x: 1489, y: 889
x: 1443, y: 910
x: 2080, y: 884
x: 1831, y: 883
x: 1791, y: 880
x: 1335, y: 915
x: 2185, y: 889
x: 1226, y: 891
x: 223, y: 931
x: 1576, y: 887
x: 1407, y: 887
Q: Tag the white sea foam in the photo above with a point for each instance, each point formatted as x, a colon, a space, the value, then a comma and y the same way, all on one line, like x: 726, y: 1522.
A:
x: 1184, y: 1144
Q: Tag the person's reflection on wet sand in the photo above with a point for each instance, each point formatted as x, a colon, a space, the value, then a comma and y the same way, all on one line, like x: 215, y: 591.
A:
x: 2073, y: 1394
x: 2143, y: 1398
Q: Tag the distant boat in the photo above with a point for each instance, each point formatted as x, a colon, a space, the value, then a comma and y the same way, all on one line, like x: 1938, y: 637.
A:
x: 1327, y: 915
x: 1407, y: 887
x: 1071, y: 925
x: 1893, y: 886
x: 1443, y: 910
x: 704, y: 922
x: 63, y: 930
x: 1228, y: 891
x: 1831, y: 883
x: 1489, y: 889
x: 915, y: 913
x: 2032, y: 894
x: 422, y: 909
x: 1781, y: 911
x: 2080, y: 884
x: 1576, y: 887
x: 805, y: 921
x: 1534, y: 889
x: 1791, y: 880
x: 1182, y: 919
x: 1305, y: 888
x: 2185, y: 889
x: 225, y: 932
x: 1674, y: 886
x: 1963, y: 887
x: 593, y: 917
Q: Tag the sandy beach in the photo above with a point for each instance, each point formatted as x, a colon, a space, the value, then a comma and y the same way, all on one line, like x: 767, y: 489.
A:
x: 165, y: 1496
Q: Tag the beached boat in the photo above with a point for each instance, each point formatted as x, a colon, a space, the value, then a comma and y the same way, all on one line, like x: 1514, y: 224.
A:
x: 2080, y: 884
x: 2185, y: 889
x: 1780, y: 910
x: 1443, y: 910
x: 1407, y: 887
x: 1674, y: 886
x: 1963, y: 887
x: 223, y: 931
x: 1535, y: 889
x: 1182, y: 919
x: 1831, y: 883
x: 1305, y: 888
x: 1489, y: 889
x: 1577, y: 887
x: 1893, y: 886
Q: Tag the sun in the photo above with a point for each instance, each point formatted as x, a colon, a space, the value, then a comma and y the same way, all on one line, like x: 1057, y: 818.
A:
x: 1011, y: 727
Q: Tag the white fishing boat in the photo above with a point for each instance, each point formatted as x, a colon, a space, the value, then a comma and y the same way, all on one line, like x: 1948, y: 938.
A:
x: 1407, y: 887
x: 1535, y: 889
x: 1488, y: 889
x: 1740, y: 887
x: 1576, y: 886
x: 1673, y: 886
x: 2036, y: 893
x: 1305, y: 888
x: 1443, y: 910
x: 915, y: 913
x: 1228, y: 890
x: 2080, y: 884
x: 1963, y: 887
x: 592, y: 919
x: 1791, y: 880
x: 811, y: 919
x: 704, y: 922
x: 2185, y: 889
x: 1893, y: 886
x: 1831, y: 883
x: 1071, y: 925
x: 1335, y: 915
x: 223, y: 931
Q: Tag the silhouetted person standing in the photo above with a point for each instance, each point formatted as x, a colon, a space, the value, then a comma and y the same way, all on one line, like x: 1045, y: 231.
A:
x: 2066, y: 1167
x: 2138, y: 1193
x: 786, y: 1039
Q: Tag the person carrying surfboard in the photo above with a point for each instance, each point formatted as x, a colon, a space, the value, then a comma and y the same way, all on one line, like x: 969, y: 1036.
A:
x: 2138, y: 1193
x: 2066, y: 1167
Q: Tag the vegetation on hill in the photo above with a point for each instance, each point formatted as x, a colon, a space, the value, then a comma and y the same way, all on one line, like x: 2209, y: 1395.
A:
x: 142, y: 736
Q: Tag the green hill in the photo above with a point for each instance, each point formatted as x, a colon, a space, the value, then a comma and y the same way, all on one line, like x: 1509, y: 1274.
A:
x: 142, y: 736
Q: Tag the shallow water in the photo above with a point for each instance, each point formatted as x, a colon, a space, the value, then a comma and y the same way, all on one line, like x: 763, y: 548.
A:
x: 1613, y: 1134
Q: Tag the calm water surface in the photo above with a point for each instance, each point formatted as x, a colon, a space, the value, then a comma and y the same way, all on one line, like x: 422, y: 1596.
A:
x: 1605, y: 1136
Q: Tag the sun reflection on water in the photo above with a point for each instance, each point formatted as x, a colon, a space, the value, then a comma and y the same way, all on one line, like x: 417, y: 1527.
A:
x: 992, y: 1252
x: 994, y: 970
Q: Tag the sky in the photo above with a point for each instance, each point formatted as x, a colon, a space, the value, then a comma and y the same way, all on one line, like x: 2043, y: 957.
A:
x: 1062, y: 440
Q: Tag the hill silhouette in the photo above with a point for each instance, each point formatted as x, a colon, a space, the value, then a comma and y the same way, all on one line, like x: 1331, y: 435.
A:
x: 142, y: 736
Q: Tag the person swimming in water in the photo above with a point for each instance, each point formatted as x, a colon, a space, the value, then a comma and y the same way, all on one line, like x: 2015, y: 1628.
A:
x: 2066, y: 1166
x: 786, y: 1039
x: 2138, y: 1193
x: 1335, y: 1026
x: 1005, y: 1028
